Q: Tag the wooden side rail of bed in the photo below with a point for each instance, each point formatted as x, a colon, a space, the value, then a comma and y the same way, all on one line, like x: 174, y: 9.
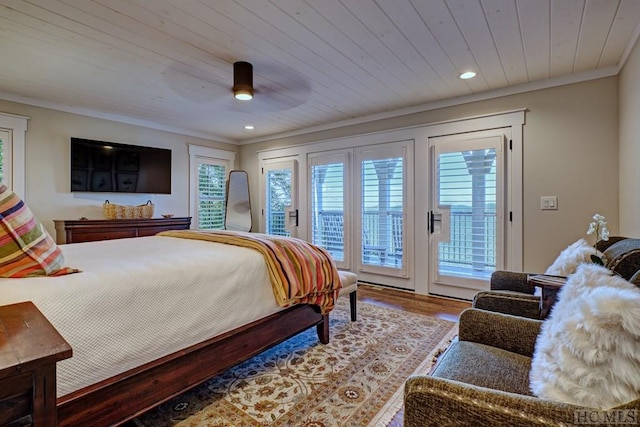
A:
x: 125, y: 396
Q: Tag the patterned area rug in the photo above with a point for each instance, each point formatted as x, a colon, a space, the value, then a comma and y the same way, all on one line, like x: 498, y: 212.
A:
x: 355, y: 380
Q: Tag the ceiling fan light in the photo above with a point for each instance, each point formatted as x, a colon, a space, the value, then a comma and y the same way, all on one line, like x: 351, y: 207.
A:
x: 242, y: 80
x: 243, y: 95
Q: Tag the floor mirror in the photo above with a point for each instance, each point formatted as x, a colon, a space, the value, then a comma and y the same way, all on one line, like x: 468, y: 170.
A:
x: 238, y: 211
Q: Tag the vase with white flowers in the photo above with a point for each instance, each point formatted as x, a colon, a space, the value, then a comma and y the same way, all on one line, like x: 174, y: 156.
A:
x: 598, y: 227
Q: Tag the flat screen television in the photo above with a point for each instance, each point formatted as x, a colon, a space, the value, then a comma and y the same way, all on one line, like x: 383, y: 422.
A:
x: 99, y: 166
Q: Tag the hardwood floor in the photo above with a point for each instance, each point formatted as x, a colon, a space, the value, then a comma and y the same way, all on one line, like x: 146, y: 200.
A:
x: 444, y: 308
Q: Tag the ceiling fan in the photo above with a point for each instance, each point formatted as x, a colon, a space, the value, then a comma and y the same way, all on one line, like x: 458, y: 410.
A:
x: 276, y: 87
x: 267, y: 87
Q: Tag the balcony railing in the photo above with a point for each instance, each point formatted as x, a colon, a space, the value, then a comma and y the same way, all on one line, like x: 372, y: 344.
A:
x: 275, y: 224
x: 470, y: 244
x: 382, y: 238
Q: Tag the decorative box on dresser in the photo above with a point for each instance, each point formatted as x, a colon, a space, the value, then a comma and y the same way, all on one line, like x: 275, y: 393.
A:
x: 29, y: 349
x: 89, y: 230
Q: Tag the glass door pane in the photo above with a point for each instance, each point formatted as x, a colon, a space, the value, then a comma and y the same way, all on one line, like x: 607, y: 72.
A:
x: 382, y: 212
x: 327, y: 208
x: 280, y: 203
x: 467, y: 188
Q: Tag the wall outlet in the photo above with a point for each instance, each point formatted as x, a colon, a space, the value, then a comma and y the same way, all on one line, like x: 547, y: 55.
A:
x: 549, y: 202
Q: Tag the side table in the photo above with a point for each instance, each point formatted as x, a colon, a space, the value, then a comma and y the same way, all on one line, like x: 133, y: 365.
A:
x: 550, y: 286
x: 29, y: 349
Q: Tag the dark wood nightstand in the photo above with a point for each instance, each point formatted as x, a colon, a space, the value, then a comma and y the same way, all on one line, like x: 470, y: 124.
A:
x: 29, y: 349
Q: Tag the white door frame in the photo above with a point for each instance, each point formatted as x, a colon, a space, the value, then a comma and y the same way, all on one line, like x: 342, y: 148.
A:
x: 513, y: 195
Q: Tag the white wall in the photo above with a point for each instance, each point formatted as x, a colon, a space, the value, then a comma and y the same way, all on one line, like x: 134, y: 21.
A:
x: 48, y: 164
x: 570, y: 151
x: 629, y: 88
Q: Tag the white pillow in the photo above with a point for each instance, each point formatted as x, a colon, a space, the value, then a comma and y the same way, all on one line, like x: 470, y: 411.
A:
x: 571, y: 257
x: 588, y: 350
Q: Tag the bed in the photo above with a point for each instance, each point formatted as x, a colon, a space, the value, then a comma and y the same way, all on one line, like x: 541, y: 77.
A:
x: 150, y: 317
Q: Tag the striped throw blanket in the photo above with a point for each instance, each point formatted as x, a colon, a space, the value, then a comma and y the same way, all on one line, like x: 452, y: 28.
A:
x: 300, y: 272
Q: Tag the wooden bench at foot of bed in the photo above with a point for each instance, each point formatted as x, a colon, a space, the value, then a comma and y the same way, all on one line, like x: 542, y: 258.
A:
x: 125, y: 396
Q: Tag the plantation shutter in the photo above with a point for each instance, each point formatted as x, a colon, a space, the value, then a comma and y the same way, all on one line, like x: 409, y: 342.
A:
x: 382, y: 207
x: 328, y: 205
x: 5, y: 158
x: 467, y: 186
x: 2, y: 144
x: 278, y: 194
x: 212, y: 176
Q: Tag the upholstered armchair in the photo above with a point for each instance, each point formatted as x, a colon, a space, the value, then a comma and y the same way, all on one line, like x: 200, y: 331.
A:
x: 483, y: 379
x: 511, y: 294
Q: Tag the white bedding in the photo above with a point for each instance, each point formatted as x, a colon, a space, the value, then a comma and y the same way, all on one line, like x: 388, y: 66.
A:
x: 140, y: 299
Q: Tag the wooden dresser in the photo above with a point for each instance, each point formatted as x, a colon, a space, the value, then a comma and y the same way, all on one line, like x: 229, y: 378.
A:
x: 29, y: 349
x: 89, y: 230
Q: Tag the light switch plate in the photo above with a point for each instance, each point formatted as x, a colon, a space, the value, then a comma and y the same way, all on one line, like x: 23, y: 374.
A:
x: 549, y: 202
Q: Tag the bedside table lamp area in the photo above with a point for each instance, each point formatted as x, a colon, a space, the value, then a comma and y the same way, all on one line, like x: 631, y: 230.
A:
x: 29, y: 349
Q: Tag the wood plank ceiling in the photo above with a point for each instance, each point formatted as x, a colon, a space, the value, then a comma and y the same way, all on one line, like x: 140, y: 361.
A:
x: 168, y: 63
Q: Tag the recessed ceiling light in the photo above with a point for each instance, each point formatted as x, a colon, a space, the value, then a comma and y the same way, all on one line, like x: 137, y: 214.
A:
x: 467, y: 75
x: 249, y: 127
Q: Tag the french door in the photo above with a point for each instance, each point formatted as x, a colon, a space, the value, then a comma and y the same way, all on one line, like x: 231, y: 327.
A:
x: 466, y: 221
x: 279, y: 202
x: 384, y: 195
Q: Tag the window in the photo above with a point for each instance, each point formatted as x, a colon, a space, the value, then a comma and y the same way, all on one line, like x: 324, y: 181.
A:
x: 466, y: 184
x: 5, y: 141
x: 383, y: 203
x: 209, y: 170
x: 12, y: 143
x: 211, y: 194
x: 329, y: 211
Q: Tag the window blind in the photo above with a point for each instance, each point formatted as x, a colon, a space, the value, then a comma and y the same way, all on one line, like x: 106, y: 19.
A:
x: 382, y: 211
x: 467, y: 184
x: 2, y: 143
x: 327, y: 208
x: 211, y: 196
x: 278, y: 195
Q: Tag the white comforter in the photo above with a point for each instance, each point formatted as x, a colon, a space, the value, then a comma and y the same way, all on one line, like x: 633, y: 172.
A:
x: 140, y: 299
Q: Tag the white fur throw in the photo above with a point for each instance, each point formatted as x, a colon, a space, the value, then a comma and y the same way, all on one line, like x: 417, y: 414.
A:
x: 571, y: 257
x: 588, y: 350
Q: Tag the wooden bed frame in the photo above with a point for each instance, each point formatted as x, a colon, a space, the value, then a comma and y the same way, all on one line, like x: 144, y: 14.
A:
x: 125, y: 396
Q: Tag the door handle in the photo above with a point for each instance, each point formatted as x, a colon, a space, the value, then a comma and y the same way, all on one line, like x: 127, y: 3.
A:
x: 293, y: 214
x: 432, y: 222
x: 433, y: 218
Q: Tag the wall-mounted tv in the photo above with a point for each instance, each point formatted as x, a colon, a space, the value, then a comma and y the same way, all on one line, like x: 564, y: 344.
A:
x: 99, y: 166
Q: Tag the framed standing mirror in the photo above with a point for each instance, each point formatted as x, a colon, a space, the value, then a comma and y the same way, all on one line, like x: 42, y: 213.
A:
x: 238, y: 209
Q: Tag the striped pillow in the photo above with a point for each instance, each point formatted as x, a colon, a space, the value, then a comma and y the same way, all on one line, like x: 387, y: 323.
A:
x: 26, y: 249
